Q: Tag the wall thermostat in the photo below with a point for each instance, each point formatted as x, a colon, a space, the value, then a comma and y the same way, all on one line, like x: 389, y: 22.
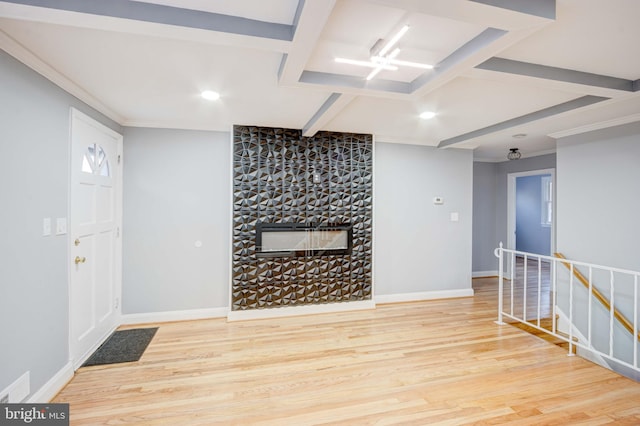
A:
x: 438, y: 200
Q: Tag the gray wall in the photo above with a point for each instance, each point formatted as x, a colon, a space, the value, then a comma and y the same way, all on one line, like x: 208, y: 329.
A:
x: 486, y: 215
x: 417, y: 247
x: 598, y: 193
x: 176, y: 192
x: 531, y: 235
x: 34, y: 179
x: 599, y: 196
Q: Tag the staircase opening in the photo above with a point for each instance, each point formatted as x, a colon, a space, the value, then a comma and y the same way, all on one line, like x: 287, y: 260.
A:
x: 535, y: 302
x: 575, y: 302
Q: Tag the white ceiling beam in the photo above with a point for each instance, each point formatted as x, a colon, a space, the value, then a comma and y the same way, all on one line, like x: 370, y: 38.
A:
x: 311, y: 18
x: 544, y: 83
x: 334, y: 104
x: 503, y: 14
x: 553, y: 78
x: 554, y: 110
x: 355, y: 85
x: 487, y: 45
x: 172, y: 23
x: 541, y: 8
x: 162, y: 14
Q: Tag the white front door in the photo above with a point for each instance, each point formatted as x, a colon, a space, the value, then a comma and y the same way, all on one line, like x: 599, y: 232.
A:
x: 95, y: 245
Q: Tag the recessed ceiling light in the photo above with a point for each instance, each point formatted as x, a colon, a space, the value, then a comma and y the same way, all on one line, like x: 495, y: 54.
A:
x: 427, y: 115
x: 210, y: 95
x: 520, y: 135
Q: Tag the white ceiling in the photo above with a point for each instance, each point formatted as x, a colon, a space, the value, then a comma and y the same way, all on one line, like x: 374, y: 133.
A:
x: 546, y: 68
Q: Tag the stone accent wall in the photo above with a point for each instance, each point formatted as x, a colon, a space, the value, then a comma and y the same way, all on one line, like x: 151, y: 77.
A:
x: 273, y: 182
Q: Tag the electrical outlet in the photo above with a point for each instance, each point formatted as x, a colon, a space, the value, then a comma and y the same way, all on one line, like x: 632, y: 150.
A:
x: 16, y: 391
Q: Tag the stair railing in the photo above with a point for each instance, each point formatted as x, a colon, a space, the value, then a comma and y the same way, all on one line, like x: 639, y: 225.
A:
x: 526, y: 289
x: 599, y: 296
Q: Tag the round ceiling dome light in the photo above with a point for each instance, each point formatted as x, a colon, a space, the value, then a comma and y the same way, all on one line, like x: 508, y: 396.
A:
x: 427, y: 115
x: 210, y: 95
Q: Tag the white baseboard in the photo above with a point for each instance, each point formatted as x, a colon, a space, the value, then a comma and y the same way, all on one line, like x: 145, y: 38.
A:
x: 288, y: 311
x: 53, y: 386
x: 482, y: 274
x: 424, y: 295
x: 170, y: 316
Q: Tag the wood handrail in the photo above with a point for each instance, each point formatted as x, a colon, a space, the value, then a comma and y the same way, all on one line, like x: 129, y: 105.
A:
x: 598, y: 295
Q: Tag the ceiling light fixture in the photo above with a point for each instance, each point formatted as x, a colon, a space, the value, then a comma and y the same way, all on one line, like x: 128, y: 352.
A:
x: 519, y: 135
x: 365, y: 64
x: 210, y: 95
x: 427, y: 115
x: 382, y: 62
x: 383, y: 58
x: 514, y: 154
x: 387, y: 47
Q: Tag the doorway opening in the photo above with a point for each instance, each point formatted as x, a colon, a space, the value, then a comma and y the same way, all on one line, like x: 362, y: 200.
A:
x: 531, y: 211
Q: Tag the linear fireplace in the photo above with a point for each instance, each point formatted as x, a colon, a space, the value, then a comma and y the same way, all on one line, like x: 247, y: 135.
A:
x: 303, y: 239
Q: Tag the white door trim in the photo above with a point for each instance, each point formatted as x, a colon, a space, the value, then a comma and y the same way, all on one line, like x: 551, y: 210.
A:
x: 76, y: 114
x: 511, y: 205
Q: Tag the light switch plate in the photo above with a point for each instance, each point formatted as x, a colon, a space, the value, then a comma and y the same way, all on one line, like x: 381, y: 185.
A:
x: 61, y: 226
x: 455, y: 217
x: 46, y: 226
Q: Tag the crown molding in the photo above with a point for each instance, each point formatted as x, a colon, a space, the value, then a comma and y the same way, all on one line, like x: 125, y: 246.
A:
x: 22, y: 54
x: 504, y: 159
x: 596, y: 126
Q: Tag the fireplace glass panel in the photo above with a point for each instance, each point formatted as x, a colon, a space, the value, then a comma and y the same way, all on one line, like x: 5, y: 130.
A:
x: 274, y: 240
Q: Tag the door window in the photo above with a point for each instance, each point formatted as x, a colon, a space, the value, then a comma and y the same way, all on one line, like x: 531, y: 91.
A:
x: 95, y: 161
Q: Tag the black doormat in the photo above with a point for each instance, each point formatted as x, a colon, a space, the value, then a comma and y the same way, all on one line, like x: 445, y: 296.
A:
x: 122, y: 346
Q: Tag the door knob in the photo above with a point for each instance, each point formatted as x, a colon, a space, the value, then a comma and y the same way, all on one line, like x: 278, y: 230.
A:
x: 79, y: 259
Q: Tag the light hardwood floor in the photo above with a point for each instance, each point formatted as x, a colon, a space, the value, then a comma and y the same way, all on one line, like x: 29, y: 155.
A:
x: 426, y: 363
x: 538, y: 291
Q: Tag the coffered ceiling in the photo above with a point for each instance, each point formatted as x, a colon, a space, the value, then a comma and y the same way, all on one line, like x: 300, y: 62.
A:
x: 540, y: 68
